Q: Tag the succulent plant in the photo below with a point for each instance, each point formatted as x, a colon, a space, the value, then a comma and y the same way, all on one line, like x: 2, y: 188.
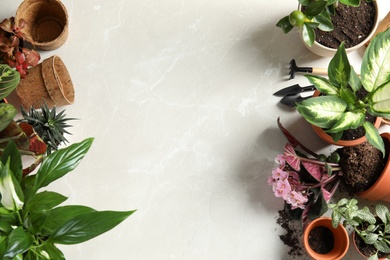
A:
x: 49, y: 125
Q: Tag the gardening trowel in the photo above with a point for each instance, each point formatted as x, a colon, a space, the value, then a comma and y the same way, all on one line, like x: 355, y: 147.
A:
x: 294, y: 89
x: 290, y: 100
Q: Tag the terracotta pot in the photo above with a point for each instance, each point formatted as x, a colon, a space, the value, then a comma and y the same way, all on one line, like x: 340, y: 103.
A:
x: 327, y: 138
x: 324, y: 51
x: 47, y: 82
x: 358, y: 250
x: 341, y: 239
x: 381, y: 188
x: 47, y: 22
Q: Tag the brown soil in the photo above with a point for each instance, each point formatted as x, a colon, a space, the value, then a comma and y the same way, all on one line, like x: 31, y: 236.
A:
x: 361, y: 166
x: 292, y: 236
x: 321, y: 240
x: 351, y: 25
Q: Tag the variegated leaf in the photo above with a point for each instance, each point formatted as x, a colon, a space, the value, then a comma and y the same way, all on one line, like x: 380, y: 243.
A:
x: 323, y: 111
x: 322, y: 84
x: 291, y: 157
x: 380, y: 99
x: 314, y: 170
x: 349, y: 120
x: 373, y: 136
x: 339, y: 69
x: 375, y: 70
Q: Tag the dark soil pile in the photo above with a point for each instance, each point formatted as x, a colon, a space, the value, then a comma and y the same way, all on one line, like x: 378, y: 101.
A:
x: 321, y: 240
x: 361, y: 166
x: 292, y: 236
x: 351, y: 25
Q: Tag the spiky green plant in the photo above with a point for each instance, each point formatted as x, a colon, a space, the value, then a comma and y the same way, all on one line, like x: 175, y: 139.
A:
x: 49, y: 125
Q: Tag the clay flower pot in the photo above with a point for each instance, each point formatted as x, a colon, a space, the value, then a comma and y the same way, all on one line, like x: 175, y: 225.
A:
x: 327, y: 138
x: 324, y: 51
x: 358, y: 250
x: 47, y: 22
x: 47, y: 82
x: 381, y: 188
x: 340, y: 236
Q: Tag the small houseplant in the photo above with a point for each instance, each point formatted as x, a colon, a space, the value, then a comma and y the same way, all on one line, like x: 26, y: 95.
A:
x: 347, y: 98
x: 32, y: 221
x: 317, y: 19
x: 374, y: 230
x: 12, y: 51
x: 306, y: 181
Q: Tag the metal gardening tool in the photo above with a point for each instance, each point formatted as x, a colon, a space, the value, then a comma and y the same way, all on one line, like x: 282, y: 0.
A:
x: 294, y: 69
x: 294, y: 89
x: 290, y: 100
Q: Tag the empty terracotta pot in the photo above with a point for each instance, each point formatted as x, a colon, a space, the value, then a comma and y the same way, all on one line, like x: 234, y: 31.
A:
x: 47, y: 22
x: 47, y: 82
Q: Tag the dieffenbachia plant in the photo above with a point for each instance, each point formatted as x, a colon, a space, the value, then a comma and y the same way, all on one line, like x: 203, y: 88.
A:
x: 340, y: 108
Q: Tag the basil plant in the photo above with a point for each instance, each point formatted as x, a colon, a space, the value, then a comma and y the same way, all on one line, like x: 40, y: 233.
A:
x: 340, y: 108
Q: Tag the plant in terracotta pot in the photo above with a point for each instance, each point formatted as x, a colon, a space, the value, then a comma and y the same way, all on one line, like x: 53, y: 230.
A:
x: 347, y: 100
x: 372, y: 232
x: 323, y: 241
x: 305, y: 180
x: 12, y: 51
x: 32, y: 220
x: 324, y: 24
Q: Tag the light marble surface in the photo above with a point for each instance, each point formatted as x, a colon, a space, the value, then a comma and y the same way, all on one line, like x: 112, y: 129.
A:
x: 178, y: 95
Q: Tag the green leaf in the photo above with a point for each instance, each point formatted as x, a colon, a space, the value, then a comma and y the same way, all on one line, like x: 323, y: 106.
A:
x: 52, y: 251
x: 315, y: 8
x: 379, y: 101
x: 348, y: 120
x: 373, y: 136
x: 354, y: 81
x: 60, y: 163
x: 7, y: 114
x: 285, y: 24
x: 365, y: 215
x: 87, y: 226
x: 44, y: 201
x: 382, y: 246
x: 354, y: 3
x: 9, y: 80
x: 371, y: 238
x: 308, y: 34
x: 381, y: 211
x: 323, y: 85
x: 336, y: 218
x: 18, y: 242
x: 375, y: 70
x: 34, y: 222
x: 339, y: 69
x: 11, y: 153
x: 324, y: 22
x: 60, y: 215
x: 323, y: 111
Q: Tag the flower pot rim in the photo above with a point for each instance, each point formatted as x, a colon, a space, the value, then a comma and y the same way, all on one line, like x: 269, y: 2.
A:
x: 324, y: 51
x: 339, y: 250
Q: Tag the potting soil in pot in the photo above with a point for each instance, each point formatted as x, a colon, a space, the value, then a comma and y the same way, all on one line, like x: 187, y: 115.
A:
x: 321, y: 240
x: 349, y: 26
x: 361, y: 166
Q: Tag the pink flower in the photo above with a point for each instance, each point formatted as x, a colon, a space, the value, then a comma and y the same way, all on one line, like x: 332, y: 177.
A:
x: 282, y: 189
x: 279, y: 174
x: 280, y: 160
x: 297, y: 200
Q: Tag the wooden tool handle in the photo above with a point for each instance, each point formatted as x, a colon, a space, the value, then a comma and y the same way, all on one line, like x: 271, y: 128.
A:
x: 320, y: 71
x: 382, y: 26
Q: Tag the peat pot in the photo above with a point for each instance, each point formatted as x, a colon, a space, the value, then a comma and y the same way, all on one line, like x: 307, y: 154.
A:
x: 47, y: 82
x: 47, y: 22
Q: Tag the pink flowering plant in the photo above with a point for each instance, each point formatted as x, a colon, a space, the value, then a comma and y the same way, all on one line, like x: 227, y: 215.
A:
x: 306, y: 181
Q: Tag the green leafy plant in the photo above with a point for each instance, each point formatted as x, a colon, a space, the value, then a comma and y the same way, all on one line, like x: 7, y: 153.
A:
x: 48, y: 124
x: 32, y: 222
x: 373, y: 230
x: 313, y: 14
x: 341, y: 107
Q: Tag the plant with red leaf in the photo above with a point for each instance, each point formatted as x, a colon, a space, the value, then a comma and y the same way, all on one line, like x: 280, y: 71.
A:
x: 12, y: 51
x: 306, y: 182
